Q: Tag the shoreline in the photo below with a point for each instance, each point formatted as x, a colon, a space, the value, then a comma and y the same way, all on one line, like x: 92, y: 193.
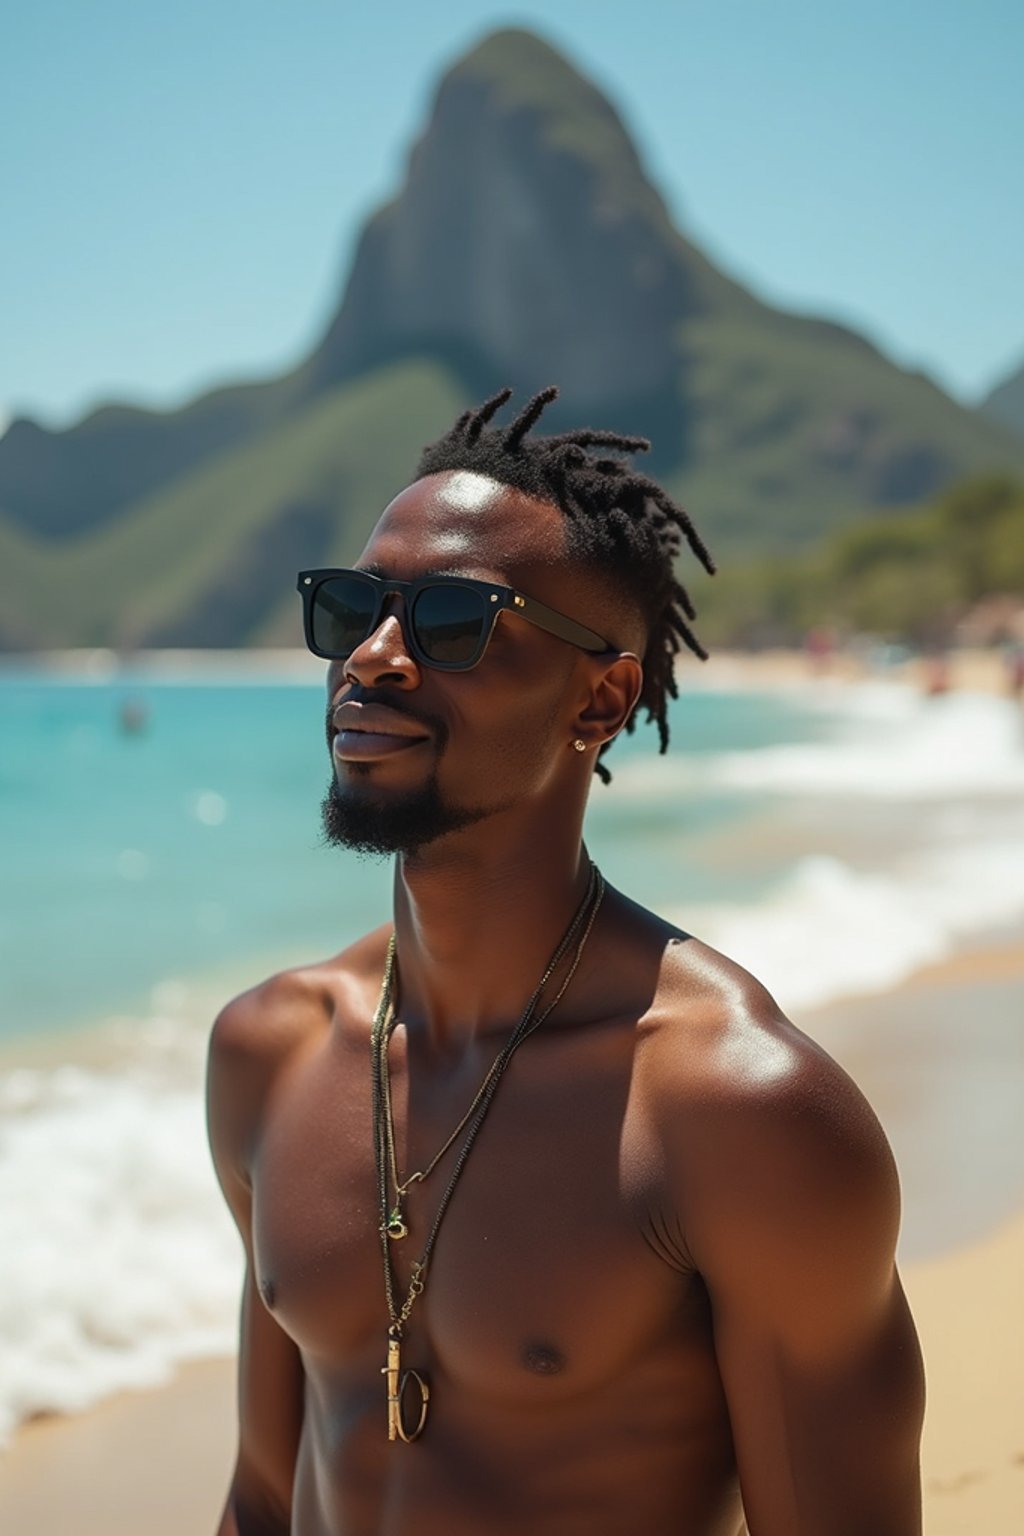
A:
x: 101, y: 665
x: 971, y: 668
x: 950, y: 1098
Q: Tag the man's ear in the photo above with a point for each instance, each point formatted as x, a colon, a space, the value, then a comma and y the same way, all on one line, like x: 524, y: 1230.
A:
x: 615, y: 688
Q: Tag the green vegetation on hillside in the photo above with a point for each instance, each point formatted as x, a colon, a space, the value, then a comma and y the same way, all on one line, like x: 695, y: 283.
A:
x: 212, y: 560
x: 61, y: 484
x: 1005, y: 403
x: 910, y: 577
x: 799, y: 426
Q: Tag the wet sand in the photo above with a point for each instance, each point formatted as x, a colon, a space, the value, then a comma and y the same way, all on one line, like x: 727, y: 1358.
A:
x: 940, y: 1058
x: 156, y: 1462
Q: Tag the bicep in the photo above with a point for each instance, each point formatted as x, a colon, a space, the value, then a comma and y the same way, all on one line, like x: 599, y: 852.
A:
x: 794, y: 1233
x: 826, y: 1439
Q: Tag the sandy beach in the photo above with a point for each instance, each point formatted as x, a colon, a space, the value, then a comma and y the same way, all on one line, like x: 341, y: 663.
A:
x: 972, y: 667
x: 980, y: 670
x: 159, y: 1461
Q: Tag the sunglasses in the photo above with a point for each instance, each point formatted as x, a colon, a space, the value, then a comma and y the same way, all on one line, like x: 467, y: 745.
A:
x: 448, y: 619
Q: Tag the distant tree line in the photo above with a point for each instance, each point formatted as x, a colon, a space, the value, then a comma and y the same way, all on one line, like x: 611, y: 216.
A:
x: 908, y: 577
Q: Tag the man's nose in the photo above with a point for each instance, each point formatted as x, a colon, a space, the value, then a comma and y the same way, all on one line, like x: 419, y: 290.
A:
x: 384, y: 656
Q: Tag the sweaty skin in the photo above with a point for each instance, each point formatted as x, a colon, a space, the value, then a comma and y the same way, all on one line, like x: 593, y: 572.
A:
x: 663, y: 1296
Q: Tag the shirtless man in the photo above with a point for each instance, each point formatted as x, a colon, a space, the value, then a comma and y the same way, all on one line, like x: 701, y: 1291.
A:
x: 661, y: 1293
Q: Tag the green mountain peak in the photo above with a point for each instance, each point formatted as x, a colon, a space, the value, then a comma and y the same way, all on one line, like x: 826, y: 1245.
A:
x: 526, y: 246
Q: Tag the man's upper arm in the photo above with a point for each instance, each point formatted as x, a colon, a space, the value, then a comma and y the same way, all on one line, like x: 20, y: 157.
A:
x: 245, y: 1052
x: 790, y: 1204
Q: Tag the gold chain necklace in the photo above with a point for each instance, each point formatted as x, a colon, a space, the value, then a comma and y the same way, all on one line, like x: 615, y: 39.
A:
x: 384, y: 1145
x: 396, y: 1225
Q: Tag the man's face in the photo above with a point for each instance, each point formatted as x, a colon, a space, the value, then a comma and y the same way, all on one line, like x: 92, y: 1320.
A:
x: 418, y: 752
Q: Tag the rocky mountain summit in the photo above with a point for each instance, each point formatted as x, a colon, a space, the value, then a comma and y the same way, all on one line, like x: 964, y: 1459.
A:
x: 526, y: 246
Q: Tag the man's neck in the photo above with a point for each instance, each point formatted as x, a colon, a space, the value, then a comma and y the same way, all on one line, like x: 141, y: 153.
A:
x: 476, y: 922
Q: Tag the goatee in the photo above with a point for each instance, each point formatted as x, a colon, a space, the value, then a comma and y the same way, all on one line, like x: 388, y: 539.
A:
x: 380, y: 828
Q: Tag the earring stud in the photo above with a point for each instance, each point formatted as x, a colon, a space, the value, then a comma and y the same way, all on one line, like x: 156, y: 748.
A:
x: 580, y: 746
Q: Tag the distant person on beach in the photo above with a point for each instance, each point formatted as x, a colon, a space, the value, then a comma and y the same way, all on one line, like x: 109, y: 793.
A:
x: 1013, y: 668
x: 819, y: 648
x: 935, y: 675
x: 553, y: 1222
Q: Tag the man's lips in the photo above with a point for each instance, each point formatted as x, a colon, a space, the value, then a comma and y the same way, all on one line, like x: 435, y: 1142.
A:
x: 361, y: 731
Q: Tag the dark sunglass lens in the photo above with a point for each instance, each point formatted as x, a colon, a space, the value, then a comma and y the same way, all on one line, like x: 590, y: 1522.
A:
x: 449, y: 623
x: 343, y: 610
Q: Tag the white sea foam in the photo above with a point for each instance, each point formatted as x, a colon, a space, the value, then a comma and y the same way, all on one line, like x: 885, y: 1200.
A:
x: 828, y: 930
x: 884, y: 741
x: 894, y: 743
x: 118, y: 1255
x: 955, y: 767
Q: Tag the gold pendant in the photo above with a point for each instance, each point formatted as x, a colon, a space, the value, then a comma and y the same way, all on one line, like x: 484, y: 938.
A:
x: 395, y: 1226
x: 397, y: 1382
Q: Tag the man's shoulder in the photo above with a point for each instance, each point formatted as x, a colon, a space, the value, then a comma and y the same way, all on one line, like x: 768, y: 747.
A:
x: 270, y: 1020
x: 266, y: 1032
x: 729, y: 1068
x: 759, y: 1130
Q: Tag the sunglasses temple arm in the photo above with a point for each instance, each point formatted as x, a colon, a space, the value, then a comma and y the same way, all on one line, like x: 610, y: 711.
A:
x: 558, y: 624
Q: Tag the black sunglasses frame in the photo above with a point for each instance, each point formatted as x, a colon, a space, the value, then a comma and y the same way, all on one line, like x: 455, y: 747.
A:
x: 496, y: 599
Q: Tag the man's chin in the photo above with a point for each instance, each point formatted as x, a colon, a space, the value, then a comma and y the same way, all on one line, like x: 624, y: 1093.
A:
x: 380, y: 827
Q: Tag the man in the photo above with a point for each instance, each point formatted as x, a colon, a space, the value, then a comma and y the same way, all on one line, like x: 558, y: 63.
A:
x: 645, y: 1283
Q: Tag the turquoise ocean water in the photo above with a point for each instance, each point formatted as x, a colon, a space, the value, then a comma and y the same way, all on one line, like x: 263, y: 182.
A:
x: 192, y: 846
x: 831, y: 839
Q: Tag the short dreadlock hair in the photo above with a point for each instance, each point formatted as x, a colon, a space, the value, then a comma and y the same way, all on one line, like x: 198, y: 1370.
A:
x: 620, y: 522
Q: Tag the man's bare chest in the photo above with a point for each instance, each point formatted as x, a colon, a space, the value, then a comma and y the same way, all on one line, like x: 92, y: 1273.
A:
x: 540, y: 1279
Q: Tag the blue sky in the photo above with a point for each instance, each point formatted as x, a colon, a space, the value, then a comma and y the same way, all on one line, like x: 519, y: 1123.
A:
x: 182, y: 184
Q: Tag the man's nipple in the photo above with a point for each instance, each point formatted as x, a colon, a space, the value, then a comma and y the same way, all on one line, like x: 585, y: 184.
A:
x: 543, y: 1359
